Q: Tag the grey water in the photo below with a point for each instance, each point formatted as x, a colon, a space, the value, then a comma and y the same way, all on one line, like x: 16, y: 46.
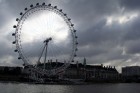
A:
x: 94, y: 88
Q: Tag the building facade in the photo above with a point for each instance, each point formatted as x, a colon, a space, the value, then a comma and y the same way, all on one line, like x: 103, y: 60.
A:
x: 131, y: 74
x: 95, y: 73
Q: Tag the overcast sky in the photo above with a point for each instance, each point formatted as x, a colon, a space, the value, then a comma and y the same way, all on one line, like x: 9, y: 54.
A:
x: 108, y: 30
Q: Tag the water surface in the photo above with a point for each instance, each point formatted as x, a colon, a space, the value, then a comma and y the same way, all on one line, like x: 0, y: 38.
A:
x: 94, y: 88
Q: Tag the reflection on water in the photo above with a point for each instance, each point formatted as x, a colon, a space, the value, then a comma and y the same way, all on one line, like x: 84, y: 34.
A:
x: 95, y: 88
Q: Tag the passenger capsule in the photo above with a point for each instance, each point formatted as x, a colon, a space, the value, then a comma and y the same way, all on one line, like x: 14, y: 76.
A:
x: 14, y: 26
x: 55, y: 6
x: 31, y: 5
x: 21, y: 13
x: 13, y: 34
x: 16, y: 50
x: 24, y: 64
x: 37, y: 3
x: 60, y: 10
x: 19, y: 57
x: 43, y: 3
x: 25, y: 9
x: 17, y: 19
x: 72, y: 24
x: 69, y: 19
x: 14, y: 42
x: 49, y: 4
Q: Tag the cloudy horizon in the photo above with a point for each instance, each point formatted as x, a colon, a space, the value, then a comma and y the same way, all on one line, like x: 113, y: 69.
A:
x: 108, y: 30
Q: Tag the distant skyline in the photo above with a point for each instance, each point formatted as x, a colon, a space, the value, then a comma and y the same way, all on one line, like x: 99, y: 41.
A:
x: 108, y: 30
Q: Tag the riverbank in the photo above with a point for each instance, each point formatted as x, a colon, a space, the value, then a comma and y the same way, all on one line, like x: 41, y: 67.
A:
x: 20, y: 79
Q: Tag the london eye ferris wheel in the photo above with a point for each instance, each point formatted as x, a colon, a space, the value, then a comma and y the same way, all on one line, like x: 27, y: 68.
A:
x: 45, y: 34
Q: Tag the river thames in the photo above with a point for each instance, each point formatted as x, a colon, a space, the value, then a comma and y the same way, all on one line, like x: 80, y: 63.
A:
x: 94, y: 88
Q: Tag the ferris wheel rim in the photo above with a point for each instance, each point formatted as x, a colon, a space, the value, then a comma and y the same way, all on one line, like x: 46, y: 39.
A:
x: 52, y: 9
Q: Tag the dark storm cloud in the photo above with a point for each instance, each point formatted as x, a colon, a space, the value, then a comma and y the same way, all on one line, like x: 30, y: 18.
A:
x: 4, y: 49
x: 131, y: 4
x: 100, y: 33
x: 103, y: 40
x: 131, y: 36
x: 132, y: 29
x: 86, y: 14
x: 4, y: 14
x: 132, y: 47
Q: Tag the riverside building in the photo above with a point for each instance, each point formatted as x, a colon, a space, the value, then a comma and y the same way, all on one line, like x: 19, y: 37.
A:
x: 131, y: 74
